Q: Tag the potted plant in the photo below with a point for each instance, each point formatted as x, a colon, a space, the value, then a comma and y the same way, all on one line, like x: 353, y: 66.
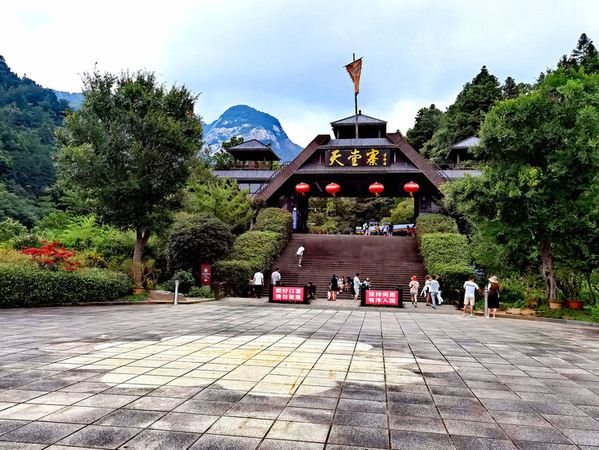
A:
x: 570, y: 283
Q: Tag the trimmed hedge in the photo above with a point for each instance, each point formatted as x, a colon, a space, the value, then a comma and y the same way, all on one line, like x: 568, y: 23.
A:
x: 256, y: 249
x: 259, y: 248
x: 29, y: 286
x: 444, y: 248
x: 274, y: 219
x: 434, y: 223
x: 238, y: 273
x: 444, y: 251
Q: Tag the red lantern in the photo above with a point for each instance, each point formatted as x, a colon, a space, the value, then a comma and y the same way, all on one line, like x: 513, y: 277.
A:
x: 411, y: 187
x: 376, y: 188
x: 302, y: 188
x: 332, y: 188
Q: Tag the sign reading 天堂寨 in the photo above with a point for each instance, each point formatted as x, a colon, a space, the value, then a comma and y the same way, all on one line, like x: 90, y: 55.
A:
x: 358, y: 157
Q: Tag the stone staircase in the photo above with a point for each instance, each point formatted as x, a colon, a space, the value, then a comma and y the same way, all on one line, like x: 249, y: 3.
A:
x: 388, y: 261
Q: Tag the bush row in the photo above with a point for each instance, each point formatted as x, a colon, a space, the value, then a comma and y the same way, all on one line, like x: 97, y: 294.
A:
x: 256, y: 249
x: 24, y: 285
x: 443, y: 250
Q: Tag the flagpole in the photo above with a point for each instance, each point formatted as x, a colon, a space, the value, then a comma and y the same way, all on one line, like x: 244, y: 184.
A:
x: 356, y: 103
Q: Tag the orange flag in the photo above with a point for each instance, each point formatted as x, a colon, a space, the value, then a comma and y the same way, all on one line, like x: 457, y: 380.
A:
x: 355, y: 69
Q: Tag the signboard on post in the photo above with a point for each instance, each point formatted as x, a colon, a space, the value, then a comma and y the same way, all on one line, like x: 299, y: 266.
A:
x: 284, y: 294
x: 206, y: 274
x: 381, y: 298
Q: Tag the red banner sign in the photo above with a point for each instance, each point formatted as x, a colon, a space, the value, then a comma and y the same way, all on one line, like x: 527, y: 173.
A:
x: 287, y: 294
x: 387, y: 298
x: 206, y: 274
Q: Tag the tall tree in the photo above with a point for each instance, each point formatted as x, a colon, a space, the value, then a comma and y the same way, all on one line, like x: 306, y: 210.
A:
x: 583, y: 55
x: 464, y: 117
x: 128, y: 149
x: 427, y: 122
x: 542, y: 159
x: 224, y: 200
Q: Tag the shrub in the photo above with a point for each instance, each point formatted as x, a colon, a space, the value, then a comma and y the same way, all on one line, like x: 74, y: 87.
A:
x: 278, y: 221
x: 434, y: 223
x: 274, y: 219
x: 186, y: 282
x: 25, y: 240
x: 442, y: 248
x: 10, y: 229
x: 259, y: 248
x: 197, y: 239
x: 201, y: 292
x: 452, y: 276
x: 239, y: 273
x: 30, y: 286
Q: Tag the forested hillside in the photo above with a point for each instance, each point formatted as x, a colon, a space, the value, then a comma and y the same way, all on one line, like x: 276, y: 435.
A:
x: 29, y: 114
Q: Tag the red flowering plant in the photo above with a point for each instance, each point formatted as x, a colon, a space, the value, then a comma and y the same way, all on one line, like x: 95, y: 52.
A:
x: 51, y: 256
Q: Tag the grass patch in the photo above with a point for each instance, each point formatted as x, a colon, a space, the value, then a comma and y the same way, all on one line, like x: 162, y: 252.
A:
x: 135, y: 297
x: 584, y: 315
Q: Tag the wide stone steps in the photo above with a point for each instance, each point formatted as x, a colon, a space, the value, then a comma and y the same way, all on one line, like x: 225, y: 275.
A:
x: 388, y: 261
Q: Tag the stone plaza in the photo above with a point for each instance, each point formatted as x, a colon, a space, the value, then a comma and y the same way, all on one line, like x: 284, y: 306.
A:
x: 239, y: 374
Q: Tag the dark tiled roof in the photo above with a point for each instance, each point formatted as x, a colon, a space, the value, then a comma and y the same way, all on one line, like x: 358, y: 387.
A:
x: 252, y: 144
x: 362, y: 120
x: 362, y: 142
x: 466, y: 143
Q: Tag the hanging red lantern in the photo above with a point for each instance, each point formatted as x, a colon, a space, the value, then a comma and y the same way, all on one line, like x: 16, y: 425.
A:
x: 332, y: 188
x: 411, y: 187
x: 376, y: 188
x: 302, y: 188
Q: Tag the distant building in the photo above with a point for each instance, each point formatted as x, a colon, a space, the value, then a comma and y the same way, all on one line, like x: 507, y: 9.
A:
x: 457, y: 159
x: 255, y: 164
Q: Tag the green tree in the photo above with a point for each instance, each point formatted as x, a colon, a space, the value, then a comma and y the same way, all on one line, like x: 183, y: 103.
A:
x: 541, y: 154
x: 583, y: 55
x: 127, y: 151
x: 464, y: 118
x: 222, y: 198
x: 427, y: 122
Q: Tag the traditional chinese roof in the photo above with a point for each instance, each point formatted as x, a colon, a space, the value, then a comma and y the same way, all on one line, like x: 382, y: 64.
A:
x: 253, y: 150
x: 362, y: 120
x: 415, y: 167
x: 356, y: 143
x: 464, y: 144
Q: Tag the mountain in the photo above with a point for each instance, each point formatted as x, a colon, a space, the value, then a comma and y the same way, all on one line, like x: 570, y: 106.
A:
x: 75, y: 99
x: 249, y: 123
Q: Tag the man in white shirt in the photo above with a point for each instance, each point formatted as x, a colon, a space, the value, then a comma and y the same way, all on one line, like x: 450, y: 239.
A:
x: 470, y: 286
x: 300, y: 253
x: 433, y: 289
x: 275, y: 277
x: 357, y: 285
x: 258, y: 281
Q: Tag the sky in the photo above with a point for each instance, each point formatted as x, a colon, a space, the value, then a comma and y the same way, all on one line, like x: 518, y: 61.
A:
x: 287, y: 57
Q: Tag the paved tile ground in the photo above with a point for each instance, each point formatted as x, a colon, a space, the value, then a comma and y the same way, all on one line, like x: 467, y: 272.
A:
x: 239, y: 374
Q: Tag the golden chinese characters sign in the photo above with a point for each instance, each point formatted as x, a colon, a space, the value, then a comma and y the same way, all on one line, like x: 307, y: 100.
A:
x: 372, y: 157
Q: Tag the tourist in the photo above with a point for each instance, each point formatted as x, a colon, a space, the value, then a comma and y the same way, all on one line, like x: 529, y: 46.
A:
x: 414, y: 285
x: 356, y: 287
x: 433, y: 289
x: 425, y: 291
x: 333, y: 287
x: 365, y: 228
x: 366, y: 284
x: 300, y: 253
x: 258, y: 281
x: 493, y: 296
x: 275, y: 277
x: 470, y: 286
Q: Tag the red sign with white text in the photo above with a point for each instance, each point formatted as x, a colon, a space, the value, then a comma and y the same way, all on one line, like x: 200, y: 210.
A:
x: 206, y: 275
x: 287, y: 294
x: 387, y: 298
